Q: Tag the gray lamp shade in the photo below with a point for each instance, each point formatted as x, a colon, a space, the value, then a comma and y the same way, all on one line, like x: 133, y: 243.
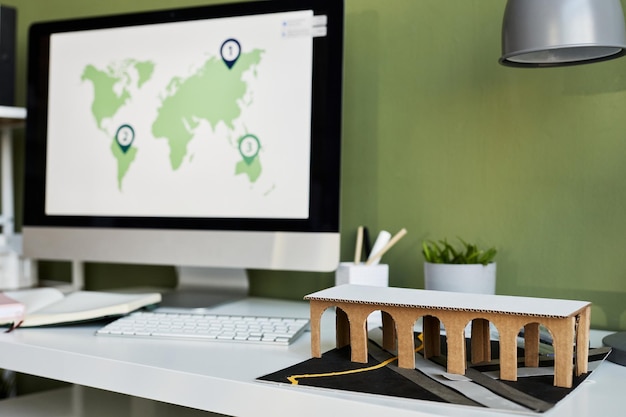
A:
x: 544, y: 33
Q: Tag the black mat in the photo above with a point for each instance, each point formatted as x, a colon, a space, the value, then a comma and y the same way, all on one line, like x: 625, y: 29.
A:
x: 535, y: 394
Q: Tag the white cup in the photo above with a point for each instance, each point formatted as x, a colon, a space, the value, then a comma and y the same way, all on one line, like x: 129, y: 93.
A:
x: 359, y: 274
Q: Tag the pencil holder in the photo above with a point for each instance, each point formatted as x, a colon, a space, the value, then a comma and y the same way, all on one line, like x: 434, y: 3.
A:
x: 359, y: 274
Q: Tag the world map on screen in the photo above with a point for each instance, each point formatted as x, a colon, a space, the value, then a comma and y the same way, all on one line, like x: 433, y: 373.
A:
x: 208, y: 118
x: 213, y: 93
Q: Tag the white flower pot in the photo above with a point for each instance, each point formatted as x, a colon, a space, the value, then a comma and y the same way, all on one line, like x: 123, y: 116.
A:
x: 473, y: 278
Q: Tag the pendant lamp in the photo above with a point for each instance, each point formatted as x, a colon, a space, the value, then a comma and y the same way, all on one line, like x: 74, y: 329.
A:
x: 545, y: 33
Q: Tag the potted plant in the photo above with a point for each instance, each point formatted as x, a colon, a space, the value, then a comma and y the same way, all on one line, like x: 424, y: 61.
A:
x: 462, y: 269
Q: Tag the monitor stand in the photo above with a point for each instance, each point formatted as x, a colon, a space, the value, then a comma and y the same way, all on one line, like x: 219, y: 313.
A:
x: 198, y: 287
x: 201, y: 287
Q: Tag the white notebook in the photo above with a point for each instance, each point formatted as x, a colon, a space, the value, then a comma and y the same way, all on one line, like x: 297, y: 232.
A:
x: 46, y: 306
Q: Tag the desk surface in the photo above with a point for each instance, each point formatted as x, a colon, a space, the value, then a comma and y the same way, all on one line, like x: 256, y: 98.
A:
x: 218, y: 376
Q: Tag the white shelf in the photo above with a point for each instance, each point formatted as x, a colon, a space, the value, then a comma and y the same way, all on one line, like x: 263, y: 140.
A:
x: 15, y: 272
x: 221, y: 377
x: 12, y: 114
x: 10, y: 118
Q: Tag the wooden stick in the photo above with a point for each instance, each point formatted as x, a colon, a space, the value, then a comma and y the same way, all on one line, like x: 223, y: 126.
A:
x: 388, y: 246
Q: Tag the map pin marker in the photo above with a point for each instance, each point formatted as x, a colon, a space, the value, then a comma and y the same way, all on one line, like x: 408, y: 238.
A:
x: 249, y: 146
x: 124, y: 137
x: 230, y: 51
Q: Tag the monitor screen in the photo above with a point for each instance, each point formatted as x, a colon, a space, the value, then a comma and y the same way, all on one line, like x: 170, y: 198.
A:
x: 202, y: 136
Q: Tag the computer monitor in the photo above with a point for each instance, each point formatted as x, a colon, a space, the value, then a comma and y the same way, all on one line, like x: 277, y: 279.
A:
x: 206, y: 136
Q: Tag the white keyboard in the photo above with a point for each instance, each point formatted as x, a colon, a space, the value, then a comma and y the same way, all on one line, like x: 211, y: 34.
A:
x: 209, y: 327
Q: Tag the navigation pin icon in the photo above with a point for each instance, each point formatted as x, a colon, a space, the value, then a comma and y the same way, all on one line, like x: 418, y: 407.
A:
x: 249, y: 146
x: 124, y: 137
x: 230, y: 51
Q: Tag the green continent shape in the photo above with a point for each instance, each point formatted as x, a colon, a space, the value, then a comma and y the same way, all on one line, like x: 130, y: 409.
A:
x: 145, y: 70
x: 252, y: 170
x: 211, y: 94
x: 124, y: 160
x: 106, y: 102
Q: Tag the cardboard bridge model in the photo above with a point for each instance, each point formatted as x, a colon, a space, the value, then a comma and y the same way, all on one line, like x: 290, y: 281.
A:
x: 568, y: 321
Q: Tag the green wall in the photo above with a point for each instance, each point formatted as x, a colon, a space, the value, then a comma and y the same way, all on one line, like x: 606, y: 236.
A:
x: 440, y: 139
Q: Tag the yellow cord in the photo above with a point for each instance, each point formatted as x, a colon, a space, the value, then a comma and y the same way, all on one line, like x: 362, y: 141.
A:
x: 294, y: 378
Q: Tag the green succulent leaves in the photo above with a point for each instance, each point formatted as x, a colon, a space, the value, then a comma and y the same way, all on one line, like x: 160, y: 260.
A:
x: 443, y: 252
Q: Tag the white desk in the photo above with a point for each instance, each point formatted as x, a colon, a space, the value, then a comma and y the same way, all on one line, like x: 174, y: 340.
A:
x: 221, y: 377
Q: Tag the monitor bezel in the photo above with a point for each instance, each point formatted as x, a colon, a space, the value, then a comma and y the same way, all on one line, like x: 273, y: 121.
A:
x: 325, y: 128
